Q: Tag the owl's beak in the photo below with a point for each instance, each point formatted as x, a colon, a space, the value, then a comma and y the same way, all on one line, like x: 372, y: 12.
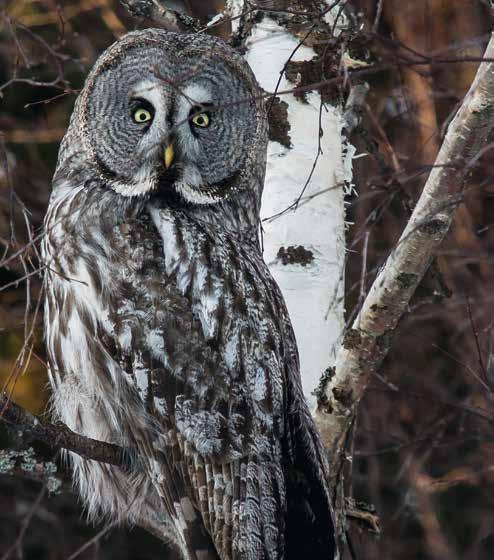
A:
x: 168, y: 156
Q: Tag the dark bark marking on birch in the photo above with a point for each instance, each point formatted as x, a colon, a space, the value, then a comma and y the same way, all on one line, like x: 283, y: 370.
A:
x: 304, y: 73
x: 352, y: 339
x: 407, y: 280
x: 379, y: 308
x: 295, y: 255
x: 344, y: 396
x: 435, y: 227
x: 279, y: 126
x: 320, y: 391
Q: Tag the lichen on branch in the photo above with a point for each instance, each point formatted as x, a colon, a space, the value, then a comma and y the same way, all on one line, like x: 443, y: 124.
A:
x: 58, y: 436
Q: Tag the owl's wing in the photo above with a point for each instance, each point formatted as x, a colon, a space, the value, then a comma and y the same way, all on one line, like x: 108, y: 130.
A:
x: 206, y: 467
x: 211, y: 352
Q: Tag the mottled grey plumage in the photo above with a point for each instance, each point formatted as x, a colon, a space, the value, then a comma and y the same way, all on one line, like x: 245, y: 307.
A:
x: 166, y: 333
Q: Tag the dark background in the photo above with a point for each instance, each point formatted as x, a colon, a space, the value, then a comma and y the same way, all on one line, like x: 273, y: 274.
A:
x: 424, y: 445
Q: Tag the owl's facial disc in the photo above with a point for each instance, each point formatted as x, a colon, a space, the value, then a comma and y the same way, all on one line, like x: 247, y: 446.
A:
x: 180, y: 123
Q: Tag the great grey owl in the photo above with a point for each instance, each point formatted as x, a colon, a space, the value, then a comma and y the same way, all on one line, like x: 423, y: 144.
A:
x: 166, y: 333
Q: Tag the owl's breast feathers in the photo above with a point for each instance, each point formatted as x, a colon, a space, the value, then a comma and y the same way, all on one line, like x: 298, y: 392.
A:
x: 185, y: 349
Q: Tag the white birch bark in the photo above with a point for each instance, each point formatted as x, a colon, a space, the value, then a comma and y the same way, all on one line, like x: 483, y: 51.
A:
x: 314, y: 292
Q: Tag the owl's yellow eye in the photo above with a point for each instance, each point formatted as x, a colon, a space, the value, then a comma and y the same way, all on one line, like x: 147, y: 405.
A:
x: 142, y: 115
x: 202, y: 120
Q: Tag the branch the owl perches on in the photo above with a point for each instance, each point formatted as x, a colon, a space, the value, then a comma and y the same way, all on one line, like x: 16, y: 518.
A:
x: 58, y: 436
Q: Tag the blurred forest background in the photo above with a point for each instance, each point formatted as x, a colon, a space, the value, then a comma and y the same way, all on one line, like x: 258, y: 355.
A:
x: 424, y: 447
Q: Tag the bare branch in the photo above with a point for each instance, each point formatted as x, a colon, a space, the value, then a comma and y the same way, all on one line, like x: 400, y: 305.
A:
x: 155, y: 11
x: 59, y: 436
x: 367, y: 342
x: 363, y: 513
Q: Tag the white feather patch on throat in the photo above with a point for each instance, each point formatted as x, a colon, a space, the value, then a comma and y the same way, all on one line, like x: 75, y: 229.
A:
x: 143, y: 182
x: 195, y: 195
x: 191, y: 186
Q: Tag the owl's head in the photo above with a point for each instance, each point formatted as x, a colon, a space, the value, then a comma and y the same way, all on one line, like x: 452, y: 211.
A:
x: 172, y: 113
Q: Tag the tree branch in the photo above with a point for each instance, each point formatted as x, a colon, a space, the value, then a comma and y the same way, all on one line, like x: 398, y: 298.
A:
x: 158, y: 14
x: 367, y: 342
x: 59, y: 436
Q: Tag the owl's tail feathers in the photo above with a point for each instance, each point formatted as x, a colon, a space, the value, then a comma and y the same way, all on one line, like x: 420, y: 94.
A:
x: 192, y: 538
x: 243, y: 507
x: 262, y: 521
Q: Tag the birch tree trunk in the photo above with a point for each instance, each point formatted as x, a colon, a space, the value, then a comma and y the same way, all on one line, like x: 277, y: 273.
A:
x: 308, y: 169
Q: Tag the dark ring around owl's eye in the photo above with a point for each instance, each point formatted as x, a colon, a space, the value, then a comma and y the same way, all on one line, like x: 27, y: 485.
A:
x: 142, y: 111
x: 199, y: 117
